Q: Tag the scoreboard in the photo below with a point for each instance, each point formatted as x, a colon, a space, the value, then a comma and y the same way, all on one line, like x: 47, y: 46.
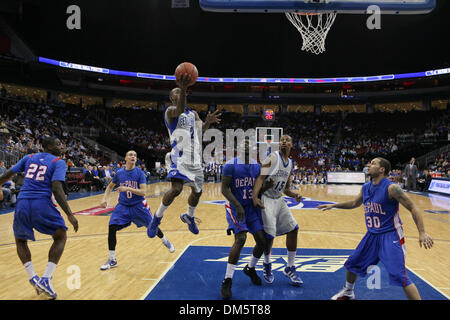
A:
x: 269, y: 115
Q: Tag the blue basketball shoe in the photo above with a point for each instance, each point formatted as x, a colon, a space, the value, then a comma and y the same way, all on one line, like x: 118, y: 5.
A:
x: 34, y: 281
x: 267, y: 272
x: 295, y: 280
x: 152, y: 229
x: 45, y: 284
x: 190, y: 222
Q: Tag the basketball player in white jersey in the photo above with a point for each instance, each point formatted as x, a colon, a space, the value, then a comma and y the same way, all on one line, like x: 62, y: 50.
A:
x: 277, y: 218
x: 184, y: 161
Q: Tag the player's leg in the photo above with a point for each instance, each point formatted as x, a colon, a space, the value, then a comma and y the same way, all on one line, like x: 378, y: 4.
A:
x: 24, y: 253
x: 270, y: 225
x: 411, y: 292
x: 23, y: 231
x: 256, y: 228
x: 286, y: 224
x: 47, y: 219
x: 365, y: 255
x: 54, y: 254
x: 112, y: 242
x: 142, y: 216
x: 120, y: 219
x: 393, y: 256
x: 233, y: 258
x: 176, y: 187
x: 188, y: 217
x: 290, y: 270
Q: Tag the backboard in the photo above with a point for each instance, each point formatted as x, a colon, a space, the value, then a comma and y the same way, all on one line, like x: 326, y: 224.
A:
x: 315, y: 6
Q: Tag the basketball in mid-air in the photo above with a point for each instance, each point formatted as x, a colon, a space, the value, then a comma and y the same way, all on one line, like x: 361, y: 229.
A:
x: 189, y: 68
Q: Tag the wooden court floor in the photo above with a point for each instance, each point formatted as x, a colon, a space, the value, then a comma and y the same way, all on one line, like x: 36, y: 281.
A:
x: 143, y: 261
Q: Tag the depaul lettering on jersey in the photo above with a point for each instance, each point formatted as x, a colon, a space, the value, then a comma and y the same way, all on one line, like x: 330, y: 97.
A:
x: 305, y: 204
x: 244, y: 182
x: 130, y: 184
x: 373, y: 207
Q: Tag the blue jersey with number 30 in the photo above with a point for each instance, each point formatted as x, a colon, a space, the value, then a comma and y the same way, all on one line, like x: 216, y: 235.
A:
x: 40, y: 170
x: 130, y: 178
x: 243, y: 178
x: 380, y: 210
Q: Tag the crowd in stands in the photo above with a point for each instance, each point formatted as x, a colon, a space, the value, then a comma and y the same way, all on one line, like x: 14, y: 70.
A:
x: 385, y: 133
x: 23, y: 124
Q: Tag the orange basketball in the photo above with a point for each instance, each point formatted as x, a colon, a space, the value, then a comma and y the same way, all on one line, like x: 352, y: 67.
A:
x: 189, y: 68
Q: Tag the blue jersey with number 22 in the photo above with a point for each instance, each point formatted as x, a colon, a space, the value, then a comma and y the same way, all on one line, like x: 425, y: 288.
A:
x: 40, y: 170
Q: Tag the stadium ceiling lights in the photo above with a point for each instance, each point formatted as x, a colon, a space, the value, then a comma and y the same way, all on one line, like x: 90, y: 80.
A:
x: 387, y: 77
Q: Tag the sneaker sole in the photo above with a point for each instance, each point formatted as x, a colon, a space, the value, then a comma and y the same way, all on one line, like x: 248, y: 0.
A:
x: 336, y: 297
x: 269, y: 281
x: 110, y: 267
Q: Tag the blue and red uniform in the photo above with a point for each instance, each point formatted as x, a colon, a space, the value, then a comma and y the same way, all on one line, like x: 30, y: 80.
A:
x: 242, y: 180
x: 384, y: 240
x: 131, y: 207
x: 35, y: 208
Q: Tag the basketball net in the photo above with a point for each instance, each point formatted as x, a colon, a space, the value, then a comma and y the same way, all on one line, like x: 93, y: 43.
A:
x: 313, y: 28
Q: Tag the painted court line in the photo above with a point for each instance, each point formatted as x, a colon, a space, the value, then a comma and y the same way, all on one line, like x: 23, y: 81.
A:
x: 427, y: 282
x: 170, y: 266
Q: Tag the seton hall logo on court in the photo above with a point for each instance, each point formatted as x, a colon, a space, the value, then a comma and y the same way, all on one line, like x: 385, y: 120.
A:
x: 305, y: 204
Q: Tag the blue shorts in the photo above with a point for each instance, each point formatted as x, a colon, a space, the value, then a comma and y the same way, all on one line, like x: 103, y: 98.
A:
x: 39, y: 214
x: 139, y: 214
x: 252, y: 222
x: 389, y: 248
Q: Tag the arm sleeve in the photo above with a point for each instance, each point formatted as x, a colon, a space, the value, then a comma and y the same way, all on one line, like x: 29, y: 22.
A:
x: 60, y: 171
x: 115, y: 179
x: 227, y: 170
x: 142, y: 179
x: 20, y: 166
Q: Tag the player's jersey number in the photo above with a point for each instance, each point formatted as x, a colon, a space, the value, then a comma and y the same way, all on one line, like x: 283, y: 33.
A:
x: 373, y: 222
x: 36, y: 172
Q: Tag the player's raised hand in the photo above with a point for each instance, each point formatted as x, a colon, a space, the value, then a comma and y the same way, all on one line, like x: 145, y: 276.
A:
x: 426, y: 240
x: 325, y: 207
x: 184, y: 81
x: 213, y: 117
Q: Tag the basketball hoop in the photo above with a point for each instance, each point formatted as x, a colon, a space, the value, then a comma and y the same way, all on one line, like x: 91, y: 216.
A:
x: 313, y: 28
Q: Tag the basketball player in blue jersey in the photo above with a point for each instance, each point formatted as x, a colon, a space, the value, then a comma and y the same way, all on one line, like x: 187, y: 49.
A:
x: 44, y: 174
x: 238, y: 178
x: 184, y: 161
x: 132, y: 206
x: 384, y: 240
x: 277, y: 169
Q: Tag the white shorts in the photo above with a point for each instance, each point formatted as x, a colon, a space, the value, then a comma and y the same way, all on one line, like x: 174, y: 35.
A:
x: 191, y: 175
x: 277, y: 217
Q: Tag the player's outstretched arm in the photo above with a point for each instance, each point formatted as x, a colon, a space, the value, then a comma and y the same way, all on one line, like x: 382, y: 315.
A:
x: 355, y: 203
x: 395, y: 192
x: 226, y: 191
x: 108, y: 190
x: 181, y: 103
x: 60, y: 197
